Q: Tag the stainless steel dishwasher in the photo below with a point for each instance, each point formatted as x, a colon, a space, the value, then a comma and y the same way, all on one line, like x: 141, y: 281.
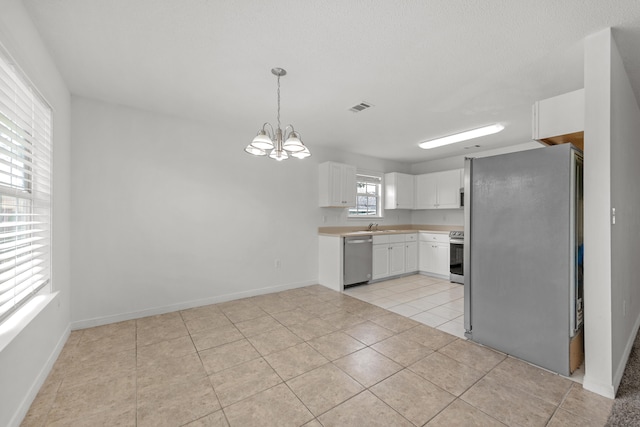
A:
x: 357, y: 259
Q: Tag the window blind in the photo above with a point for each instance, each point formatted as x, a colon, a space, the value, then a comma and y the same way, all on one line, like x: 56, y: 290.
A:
x: 25, y: 189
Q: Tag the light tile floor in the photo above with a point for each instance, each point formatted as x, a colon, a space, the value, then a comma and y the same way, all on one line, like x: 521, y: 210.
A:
x: 434, y: 302
x: 303, y: 357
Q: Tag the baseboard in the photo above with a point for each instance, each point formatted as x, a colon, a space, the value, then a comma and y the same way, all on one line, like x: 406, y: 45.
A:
x: 605, y: 390
x: 22, y: 410
x: 434, y: 275
x: 609, y: 390
x: 105, y: 320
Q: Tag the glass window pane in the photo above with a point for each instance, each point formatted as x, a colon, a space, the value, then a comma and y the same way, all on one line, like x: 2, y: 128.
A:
x: 367, y: 200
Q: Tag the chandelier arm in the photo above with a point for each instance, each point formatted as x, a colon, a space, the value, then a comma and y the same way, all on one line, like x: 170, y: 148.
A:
x: 286, y: 134
x: 273, y: 132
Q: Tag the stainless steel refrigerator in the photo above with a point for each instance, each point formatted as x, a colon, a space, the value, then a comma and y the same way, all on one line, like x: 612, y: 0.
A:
x: 524, y: 254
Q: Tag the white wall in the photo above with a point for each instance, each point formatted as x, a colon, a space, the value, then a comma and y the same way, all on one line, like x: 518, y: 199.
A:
x: 597, y: 203
x: 170, y: 213
x: 625, y: 198
x: 27, y: 359
x: 612, y: 152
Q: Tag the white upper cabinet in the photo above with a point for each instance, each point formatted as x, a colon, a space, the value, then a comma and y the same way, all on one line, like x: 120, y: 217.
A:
x: 337, y: 185
x: 427, y: 191
x: 560, y: 119
x: 399, y: 191
x: 439, y: 190
x: 560, y: 115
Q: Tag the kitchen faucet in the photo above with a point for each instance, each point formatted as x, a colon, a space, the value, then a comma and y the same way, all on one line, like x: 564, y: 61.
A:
x: 370, y: 227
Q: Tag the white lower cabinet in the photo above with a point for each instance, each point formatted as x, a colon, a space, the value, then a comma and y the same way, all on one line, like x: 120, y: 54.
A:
x: 393, y: 255
x: 411, y: 257
x: 434, y: 254
x: 396, y: 259
x: 380, y: 261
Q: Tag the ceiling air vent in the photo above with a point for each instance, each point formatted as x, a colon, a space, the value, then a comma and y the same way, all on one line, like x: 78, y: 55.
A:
x: 360, y: 107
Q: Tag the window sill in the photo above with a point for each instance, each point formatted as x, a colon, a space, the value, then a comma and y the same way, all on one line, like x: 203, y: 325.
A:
x: 15, y: 324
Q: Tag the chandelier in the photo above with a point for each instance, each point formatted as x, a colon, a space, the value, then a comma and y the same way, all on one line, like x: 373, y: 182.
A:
x: 280, y: 144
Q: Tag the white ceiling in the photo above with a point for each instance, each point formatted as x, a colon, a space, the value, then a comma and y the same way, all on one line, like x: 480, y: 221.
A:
x: 429, y: 67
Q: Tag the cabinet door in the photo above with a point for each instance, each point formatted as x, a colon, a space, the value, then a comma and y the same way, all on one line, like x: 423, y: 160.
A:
x: 397, y: 258
x: 335, y: 184
x: 391, y: 190
x: 427, y: 256
x: 426, y: 191
x: 442, y: 256
x: 348, y: 189
x: 399, y: 191
x: 449, y: 185
x: 380, y: 261
x: 405, y: 191
x: 411, y: 255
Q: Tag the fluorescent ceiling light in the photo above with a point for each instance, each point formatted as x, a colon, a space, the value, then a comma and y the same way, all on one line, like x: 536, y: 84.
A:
x: 462, y: 136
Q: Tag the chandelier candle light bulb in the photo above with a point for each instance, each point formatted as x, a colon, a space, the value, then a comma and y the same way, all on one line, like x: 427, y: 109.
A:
x: 281, y: 144
x: 462, y: 136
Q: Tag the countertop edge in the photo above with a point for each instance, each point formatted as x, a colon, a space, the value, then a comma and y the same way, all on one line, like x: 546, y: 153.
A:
x: 381, y: 232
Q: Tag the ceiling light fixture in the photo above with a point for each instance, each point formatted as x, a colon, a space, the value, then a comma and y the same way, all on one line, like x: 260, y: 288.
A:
x: 462, y: 136
x: 280, y: 144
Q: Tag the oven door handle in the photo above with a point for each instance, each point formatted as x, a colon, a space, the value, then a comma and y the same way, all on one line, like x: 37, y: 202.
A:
x: 457, y: 242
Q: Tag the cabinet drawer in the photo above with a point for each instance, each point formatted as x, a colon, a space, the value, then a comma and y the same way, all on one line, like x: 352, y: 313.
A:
x: 434, y: 237
x: 413, y: 237
x: 396, y: 238
x: 381, y: 239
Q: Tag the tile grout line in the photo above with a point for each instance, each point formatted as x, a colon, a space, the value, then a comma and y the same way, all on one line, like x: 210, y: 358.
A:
x: 205, y: 370
x: 560, y: 404
x: 473, y: 384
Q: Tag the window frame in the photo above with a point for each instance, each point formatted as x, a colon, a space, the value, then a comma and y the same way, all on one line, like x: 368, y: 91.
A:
x: 26, y: 194
x: 380, y: 198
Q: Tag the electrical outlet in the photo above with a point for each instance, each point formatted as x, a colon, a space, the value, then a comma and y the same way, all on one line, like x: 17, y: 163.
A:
x: 613, y: 216
x: 276, y: 263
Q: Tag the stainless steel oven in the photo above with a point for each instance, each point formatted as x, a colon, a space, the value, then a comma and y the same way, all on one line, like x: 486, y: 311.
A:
x: 456, y: 256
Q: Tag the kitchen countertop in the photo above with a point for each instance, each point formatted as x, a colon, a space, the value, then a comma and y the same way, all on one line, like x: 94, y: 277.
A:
x: 398, y: 229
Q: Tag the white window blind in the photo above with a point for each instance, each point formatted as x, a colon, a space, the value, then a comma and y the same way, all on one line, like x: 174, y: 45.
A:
x: 25, y: 189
